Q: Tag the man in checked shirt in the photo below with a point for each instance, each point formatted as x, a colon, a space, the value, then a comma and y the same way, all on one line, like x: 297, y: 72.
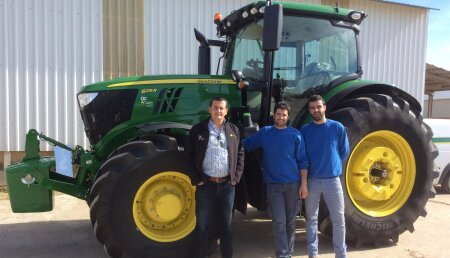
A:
x: 219, y: 160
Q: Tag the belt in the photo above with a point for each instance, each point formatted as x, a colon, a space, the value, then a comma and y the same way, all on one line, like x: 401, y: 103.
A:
x: 218, y: 180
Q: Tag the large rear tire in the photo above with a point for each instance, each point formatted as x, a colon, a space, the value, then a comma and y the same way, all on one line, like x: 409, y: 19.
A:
x: 143, y: 203
x: 387, y: 178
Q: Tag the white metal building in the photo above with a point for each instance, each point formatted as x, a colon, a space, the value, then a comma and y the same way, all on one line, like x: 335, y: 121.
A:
x: 50, y: 49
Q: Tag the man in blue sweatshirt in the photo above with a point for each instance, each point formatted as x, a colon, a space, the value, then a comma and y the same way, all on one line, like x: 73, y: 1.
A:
x: 284, y: 164
x: 327, y: 147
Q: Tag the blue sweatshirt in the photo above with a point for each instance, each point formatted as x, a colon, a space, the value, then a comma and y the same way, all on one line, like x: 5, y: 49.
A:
x: 327, y: 146
x: 284, y: 153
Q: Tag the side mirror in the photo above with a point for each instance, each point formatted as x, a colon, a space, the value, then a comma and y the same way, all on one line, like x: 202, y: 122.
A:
x: 273, y: 26
x: 201, y: 38
x: 204, y: 54
x: 238, y: 78
x: 236, y: 75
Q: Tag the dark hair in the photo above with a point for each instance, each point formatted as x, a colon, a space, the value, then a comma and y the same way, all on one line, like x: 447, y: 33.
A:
x: 282, y: 105
x: 315, y: 98
x: 219, y: 99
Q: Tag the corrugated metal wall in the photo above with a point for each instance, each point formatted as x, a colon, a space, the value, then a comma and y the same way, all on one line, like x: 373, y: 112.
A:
x: 171, y: 47
x: 48, y: 50
x: 394, y: 39
x: 51, y: 48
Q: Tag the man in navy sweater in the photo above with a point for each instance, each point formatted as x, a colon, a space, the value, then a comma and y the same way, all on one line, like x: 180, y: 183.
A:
x: 284, y: 163
x: 327, y: 147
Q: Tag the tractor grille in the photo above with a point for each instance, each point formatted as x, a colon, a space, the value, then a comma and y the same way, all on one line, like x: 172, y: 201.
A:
x: 106, y: 111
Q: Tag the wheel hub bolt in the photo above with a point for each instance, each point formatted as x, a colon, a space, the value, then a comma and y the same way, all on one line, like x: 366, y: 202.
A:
x: 376, y: 172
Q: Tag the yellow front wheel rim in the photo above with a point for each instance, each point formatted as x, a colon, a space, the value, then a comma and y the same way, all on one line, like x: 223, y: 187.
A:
x: 380, y: 174
x: 164, y: 207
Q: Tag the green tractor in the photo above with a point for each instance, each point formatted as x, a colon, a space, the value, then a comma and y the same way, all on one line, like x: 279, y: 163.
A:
x: 136, y: 178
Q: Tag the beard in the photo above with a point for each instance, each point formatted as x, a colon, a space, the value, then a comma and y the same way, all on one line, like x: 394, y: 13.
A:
x: 280, y: 123
x: 317, y: 117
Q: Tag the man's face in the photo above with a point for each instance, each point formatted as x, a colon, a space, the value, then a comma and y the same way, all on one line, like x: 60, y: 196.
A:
x: 281, y: 117
x: 317, y: 110
x: 218, y: 110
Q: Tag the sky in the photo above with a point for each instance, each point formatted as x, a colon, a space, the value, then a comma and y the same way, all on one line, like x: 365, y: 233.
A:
x: 438, y: 42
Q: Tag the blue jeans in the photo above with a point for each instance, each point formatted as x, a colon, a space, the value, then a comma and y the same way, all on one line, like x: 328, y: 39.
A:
x: 331, y: 189
x: 283, y: 206
x: 209, y: 196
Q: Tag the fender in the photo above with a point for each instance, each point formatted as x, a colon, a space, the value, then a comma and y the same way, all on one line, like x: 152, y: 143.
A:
x: 361, y: 87
x: 163, y: 125
x: 143, y: 129
x: 113, y: 140
x: 333, y: 95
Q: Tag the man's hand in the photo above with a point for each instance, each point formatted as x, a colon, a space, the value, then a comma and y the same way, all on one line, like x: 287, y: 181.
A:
x: 233, y: 183
x: 303, y: 191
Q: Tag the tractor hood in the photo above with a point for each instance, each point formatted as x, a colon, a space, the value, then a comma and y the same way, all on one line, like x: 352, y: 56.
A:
x: 140, y: 82
x: 114, y: 109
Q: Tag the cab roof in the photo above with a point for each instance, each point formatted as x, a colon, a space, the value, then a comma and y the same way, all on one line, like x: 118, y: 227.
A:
x: 255, y: 11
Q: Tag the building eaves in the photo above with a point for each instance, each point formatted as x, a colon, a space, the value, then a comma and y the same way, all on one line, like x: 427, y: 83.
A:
x: 436, y: 79
x: 403, y: 4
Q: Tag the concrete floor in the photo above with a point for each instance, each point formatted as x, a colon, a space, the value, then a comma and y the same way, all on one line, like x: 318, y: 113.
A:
x: 66, y: 232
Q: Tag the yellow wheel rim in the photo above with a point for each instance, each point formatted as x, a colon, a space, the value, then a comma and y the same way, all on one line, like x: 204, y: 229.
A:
x: 380, y: 174
x: 164, y: 207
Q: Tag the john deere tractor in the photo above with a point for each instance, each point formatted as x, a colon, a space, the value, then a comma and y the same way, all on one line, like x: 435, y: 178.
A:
x: 136, y: 178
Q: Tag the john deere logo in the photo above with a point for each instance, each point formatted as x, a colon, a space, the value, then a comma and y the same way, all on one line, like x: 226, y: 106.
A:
x: 203, y: 81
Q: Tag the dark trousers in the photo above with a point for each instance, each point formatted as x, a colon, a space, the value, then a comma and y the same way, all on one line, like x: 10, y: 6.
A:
x: 209, y: 196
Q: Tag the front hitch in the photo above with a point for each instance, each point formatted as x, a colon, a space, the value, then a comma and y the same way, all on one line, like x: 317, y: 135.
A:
x: 31, y: 181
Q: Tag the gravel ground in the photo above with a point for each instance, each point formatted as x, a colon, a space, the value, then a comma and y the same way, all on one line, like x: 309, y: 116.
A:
x: 66, y: 232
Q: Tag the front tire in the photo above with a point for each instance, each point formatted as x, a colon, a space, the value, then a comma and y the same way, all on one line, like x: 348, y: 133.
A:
x: 387, y: 179
x: 143, y: 203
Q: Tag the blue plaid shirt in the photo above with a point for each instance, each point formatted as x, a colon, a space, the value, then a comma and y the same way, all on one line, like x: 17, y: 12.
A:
x: 215, y: 163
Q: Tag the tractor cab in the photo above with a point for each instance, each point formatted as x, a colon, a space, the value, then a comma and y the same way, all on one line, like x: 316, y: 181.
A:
x: 316, y: 51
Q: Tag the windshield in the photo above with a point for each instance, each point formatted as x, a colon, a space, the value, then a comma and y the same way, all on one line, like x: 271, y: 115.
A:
x: 313, y: 52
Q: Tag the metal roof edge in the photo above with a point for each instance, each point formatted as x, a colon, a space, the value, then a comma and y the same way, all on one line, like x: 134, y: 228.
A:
x: 410, y: 5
